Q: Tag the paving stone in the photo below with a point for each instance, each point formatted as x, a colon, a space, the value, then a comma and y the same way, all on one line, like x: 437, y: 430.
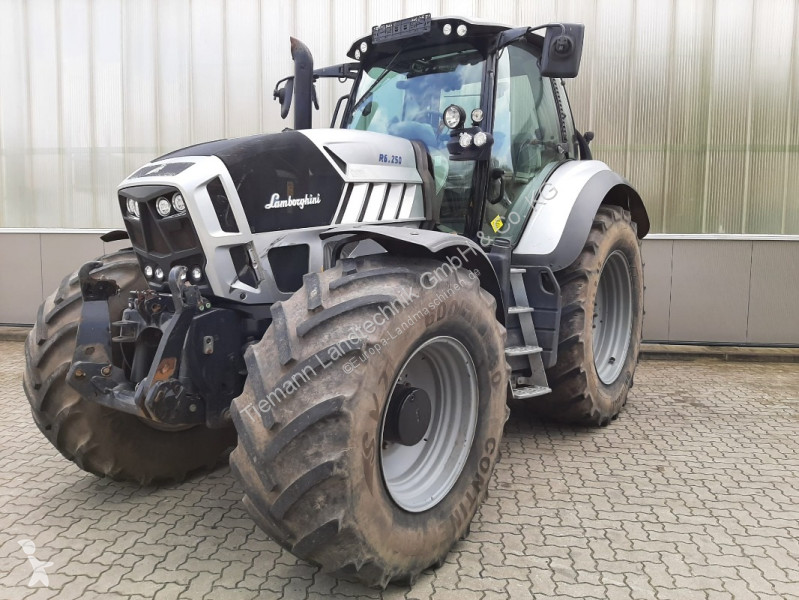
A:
x: 679, y: 498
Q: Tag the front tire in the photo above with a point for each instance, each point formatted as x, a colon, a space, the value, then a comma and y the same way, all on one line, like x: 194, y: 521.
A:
x: 325, y: 471
x: 600, y: 329
x: 98, y: 439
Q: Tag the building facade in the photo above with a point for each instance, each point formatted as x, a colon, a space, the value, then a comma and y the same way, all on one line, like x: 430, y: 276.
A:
x: 695, y: 102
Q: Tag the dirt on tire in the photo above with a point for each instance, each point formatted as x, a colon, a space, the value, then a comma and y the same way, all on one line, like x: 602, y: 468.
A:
x: 309, y: 454
x: 98, y: 439
x: 578, y: 395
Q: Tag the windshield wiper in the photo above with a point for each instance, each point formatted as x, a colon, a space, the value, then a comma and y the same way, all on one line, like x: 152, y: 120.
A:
x: 380, y: 77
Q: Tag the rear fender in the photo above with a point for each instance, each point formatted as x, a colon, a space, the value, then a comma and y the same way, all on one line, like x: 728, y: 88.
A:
x: 564, y: 212
x: 456, y: 250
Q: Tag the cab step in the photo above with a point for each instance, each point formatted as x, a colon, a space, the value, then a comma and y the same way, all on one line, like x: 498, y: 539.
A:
x: 529, y: 391
x: 522, y: 350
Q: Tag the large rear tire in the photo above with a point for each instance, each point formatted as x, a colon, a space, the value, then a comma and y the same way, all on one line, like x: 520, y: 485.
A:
x: 98, y: 439
x: 600, y: 328
x: 319, y: 458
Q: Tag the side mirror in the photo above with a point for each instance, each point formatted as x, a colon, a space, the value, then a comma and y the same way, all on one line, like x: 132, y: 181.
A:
x: 496, y: 186
x: 563, y: 49
x: 589, y: 137
x: 284, y: 94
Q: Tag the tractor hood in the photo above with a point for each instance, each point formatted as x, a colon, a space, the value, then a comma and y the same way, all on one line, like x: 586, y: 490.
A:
x: 242, y: 210
x: 301, y: 179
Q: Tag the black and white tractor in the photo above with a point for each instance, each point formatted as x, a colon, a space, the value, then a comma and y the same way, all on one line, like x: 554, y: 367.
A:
x: 353, y: 308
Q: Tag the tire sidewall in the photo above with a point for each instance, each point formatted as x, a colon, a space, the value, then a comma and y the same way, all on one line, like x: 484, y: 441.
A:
x: 464, y: 316
x: 620, y: 237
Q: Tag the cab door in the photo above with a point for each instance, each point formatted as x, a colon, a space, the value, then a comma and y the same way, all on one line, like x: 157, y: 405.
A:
x: 528, y: 142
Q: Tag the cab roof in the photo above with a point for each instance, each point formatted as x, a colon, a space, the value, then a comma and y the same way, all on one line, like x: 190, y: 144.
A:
x: 421, y: 31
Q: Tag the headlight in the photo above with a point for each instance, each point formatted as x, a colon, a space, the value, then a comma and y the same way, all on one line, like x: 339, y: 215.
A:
x: 465, y: 140
x: 453, y: 116
x: 477, y: 115
x: 447, y: 29
x: 480, y: 138
x: 178, y: 203
x: 148, y: 272
x: 196, y: 274
x: 364, y: 46
x: 163, y: 206
x: 461, y: 30
x: 133, y: 208
x: 159, y: 273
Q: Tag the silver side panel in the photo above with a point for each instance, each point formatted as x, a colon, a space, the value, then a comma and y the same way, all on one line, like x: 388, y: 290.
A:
x: 393, y: 201
x: 377, y: 200
x: 357, y: 200
x: 368, y: 156
x: 412, y: 207
x: 385, y: 162
x: 380, y: 203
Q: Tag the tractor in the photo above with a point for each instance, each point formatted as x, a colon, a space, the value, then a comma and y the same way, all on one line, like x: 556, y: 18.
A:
x: 346, y: 313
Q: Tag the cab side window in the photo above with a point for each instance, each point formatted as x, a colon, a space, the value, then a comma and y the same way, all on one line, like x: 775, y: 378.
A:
x: 527, y: 140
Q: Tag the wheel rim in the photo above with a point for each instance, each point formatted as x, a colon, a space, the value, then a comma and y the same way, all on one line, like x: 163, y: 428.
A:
x: 418, y: 477
x: 612, y: 318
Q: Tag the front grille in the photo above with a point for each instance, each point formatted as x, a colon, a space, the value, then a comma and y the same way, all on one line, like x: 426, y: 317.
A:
x: 160, y: 242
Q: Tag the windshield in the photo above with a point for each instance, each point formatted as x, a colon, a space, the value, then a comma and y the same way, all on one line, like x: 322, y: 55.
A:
x: 405, y: 95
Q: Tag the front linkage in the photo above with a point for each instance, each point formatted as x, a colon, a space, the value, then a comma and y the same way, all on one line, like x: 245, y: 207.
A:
x: 174, y: 362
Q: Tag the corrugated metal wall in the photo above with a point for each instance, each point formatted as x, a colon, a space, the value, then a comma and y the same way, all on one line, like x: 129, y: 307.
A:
x: 696, y: 101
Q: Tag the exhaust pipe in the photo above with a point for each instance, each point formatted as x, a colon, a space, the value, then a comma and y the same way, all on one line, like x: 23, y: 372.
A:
x: 303, y: 84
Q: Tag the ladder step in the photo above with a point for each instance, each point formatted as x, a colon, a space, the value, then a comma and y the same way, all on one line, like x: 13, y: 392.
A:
x: 515, y: 310
x: 518, y: 270
x: 531, y: 391
x: 522, y: 350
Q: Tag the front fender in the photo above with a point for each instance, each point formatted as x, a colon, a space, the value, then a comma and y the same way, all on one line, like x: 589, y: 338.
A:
x: 422, y: 243
x: 561, y: 220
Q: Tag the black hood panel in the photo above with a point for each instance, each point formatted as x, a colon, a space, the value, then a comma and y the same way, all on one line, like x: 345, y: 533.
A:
x: 284, y: 181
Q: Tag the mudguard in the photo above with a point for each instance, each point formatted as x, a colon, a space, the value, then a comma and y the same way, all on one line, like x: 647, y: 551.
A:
x: 456, y: 250
x: 564, y: 212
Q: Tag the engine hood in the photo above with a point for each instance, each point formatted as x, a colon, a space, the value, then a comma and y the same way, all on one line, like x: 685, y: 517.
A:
x: 300, y: 179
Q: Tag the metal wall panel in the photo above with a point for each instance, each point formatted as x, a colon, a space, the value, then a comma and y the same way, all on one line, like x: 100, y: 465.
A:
x: 657, y: 257
x: 20, y: 279
x: 694, y: 101
x: 774, y: 294
x: 710, y: 291
x: 62, y: 254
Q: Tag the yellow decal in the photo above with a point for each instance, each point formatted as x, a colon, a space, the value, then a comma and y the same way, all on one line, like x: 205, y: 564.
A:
x: 496, y: 224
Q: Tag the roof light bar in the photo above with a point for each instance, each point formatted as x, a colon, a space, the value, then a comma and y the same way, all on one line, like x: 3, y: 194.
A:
x: 404, y: 28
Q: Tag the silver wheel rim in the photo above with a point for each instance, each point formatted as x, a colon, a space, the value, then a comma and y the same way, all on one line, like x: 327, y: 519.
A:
x: 613, y: 311
x: 418, y: 477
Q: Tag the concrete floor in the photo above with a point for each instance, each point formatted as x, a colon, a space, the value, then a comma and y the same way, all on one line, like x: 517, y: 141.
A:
x: 692, y: 493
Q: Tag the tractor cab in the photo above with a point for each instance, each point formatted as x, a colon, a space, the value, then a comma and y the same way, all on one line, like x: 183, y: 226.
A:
x: 486, y: 101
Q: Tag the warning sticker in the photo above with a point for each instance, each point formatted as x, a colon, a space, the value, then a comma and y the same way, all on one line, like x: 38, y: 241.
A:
x: 497, y: 224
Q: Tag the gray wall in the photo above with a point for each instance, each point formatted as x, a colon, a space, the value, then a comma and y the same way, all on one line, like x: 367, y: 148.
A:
x: 740, y: 291
x: 35, y: 262
x: 736, y: 291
